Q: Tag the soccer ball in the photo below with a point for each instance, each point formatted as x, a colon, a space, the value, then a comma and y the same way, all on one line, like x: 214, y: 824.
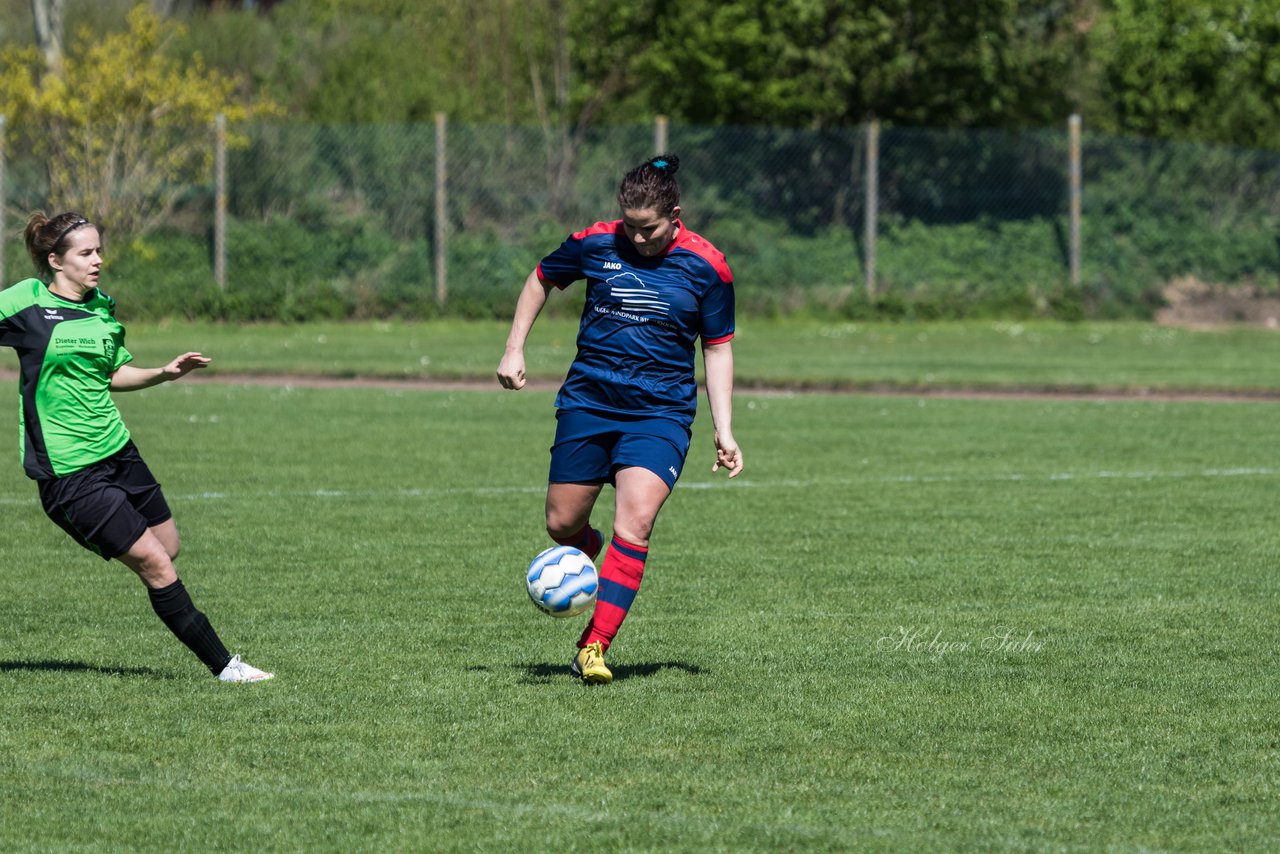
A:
x: 562, y: 581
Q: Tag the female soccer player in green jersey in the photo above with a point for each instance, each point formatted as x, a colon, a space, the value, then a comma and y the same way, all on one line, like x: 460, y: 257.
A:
x: 93, y: 483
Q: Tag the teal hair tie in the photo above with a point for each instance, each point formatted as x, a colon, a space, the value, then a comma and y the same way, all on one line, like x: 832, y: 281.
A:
x: 659, y: 164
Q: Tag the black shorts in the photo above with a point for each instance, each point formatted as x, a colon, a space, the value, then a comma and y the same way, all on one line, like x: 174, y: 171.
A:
x: 107, y: 506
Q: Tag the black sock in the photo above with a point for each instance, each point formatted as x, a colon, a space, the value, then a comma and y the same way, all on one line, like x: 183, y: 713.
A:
x: 173, y: 605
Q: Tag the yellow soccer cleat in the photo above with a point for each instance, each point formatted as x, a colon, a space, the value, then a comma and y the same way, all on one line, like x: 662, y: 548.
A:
x: 588, y: 665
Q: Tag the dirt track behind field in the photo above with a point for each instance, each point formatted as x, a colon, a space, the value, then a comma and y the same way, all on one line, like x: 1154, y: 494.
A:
x: 870, y: 389
x: 749, y: 387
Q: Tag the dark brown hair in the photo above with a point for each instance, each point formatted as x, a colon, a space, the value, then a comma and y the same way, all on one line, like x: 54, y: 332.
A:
x: 47, y: 236
x: 651, y: 186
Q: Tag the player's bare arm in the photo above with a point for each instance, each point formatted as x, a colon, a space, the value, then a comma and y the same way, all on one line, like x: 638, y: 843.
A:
x: 718, y: 361
x: 511, y: 370
x: 130, y: 378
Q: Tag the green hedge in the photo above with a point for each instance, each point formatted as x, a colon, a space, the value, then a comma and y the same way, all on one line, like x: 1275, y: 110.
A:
x: 282, y: 271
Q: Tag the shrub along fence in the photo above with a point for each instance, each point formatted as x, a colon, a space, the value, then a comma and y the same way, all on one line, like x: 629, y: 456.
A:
x: 299, y: 221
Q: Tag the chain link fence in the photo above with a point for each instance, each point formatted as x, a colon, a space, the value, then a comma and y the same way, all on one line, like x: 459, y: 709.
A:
x: 416, y: 220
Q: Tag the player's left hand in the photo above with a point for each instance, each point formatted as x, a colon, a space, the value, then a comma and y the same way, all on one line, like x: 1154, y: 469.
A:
x: 728, y: 454
x: 185, y: 364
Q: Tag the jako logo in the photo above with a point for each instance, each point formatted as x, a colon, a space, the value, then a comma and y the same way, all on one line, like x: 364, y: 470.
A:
x: 612, y: 265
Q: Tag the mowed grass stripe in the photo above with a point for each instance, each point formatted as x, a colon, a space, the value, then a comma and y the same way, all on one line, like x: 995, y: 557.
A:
x: 323, y: 494
x: 1037, y: 355
x: 368, y: 545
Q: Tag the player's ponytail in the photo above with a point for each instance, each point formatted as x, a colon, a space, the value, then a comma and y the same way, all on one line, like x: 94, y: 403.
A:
x: 44, y: 236
x: 652, y: 186
x: 668, y: 164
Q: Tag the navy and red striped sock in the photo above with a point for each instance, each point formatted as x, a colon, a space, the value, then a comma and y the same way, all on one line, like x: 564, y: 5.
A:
x: 588, y: 541
x: 620, y: 576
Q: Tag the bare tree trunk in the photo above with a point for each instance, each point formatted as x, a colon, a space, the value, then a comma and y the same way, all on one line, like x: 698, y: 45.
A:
x: 48, y: 18
x: 560, y: 144
x: 563, y: 139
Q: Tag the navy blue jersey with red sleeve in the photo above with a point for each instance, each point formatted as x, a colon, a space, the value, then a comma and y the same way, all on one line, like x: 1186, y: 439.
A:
x: 641, y: 321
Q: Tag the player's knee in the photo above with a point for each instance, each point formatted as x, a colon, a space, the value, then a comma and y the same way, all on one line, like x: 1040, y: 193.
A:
x: 557, y: 530
x: 167, y: 534
x: 561, y: 524
x: 634, y: 533
x: 151, y: 562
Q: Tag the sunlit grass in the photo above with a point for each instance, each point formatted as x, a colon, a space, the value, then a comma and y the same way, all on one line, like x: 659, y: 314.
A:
x: 912, y: 624
x: 990, y: 354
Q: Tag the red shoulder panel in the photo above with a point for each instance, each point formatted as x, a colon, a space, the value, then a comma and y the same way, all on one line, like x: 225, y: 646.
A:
x: 599, y: 228
x: 700, y: 246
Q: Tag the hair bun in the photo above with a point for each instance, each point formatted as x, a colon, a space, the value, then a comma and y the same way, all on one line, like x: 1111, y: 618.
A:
x: 667, y: 163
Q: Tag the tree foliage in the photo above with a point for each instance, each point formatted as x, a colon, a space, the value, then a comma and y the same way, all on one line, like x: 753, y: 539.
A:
x: 833, y: 62
x: 392, y: 61
x: 119, y: 125
x: 817, y: 63
x: 1185, y: 68
x: 1168, y: 68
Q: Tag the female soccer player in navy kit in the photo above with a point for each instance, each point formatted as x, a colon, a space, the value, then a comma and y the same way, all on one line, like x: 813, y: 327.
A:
x: 625, y: 409
x: 93, y: 483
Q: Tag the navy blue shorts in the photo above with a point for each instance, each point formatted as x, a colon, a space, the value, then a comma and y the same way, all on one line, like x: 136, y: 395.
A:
x: 107, y: 506
x: 591, y: 448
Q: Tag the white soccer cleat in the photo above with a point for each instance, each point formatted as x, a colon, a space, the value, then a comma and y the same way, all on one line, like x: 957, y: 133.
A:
x: 238, y: 671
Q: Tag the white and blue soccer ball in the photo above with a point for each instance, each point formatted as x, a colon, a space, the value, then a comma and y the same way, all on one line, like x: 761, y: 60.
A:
x: 562, y: 581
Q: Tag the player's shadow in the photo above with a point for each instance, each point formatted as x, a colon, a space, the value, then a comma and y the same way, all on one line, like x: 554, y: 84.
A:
x: 535, y: 672
x: 48, y: 666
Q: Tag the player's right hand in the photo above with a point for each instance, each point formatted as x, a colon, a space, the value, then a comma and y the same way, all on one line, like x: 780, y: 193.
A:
x: 511, y: 371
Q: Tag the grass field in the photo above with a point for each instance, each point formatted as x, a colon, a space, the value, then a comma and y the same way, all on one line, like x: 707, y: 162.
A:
x: 913, y: 624
x: 1086, y: 356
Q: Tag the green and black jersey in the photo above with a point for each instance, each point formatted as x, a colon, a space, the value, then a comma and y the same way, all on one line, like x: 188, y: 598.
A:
x: 67, y: 352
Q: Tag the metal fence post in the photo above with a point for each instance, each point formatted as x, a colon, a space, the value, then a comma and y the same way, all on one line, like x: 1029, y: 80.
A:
x: 660, y: 135
x: 872, y: 206
x: 220, y: 201
x: 1073, y: 132
x: 442, y: 284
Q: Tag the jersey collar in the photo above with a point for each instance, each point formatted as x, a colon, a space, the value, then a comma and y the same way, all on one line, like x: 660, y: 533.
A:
x: 88, y: 295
